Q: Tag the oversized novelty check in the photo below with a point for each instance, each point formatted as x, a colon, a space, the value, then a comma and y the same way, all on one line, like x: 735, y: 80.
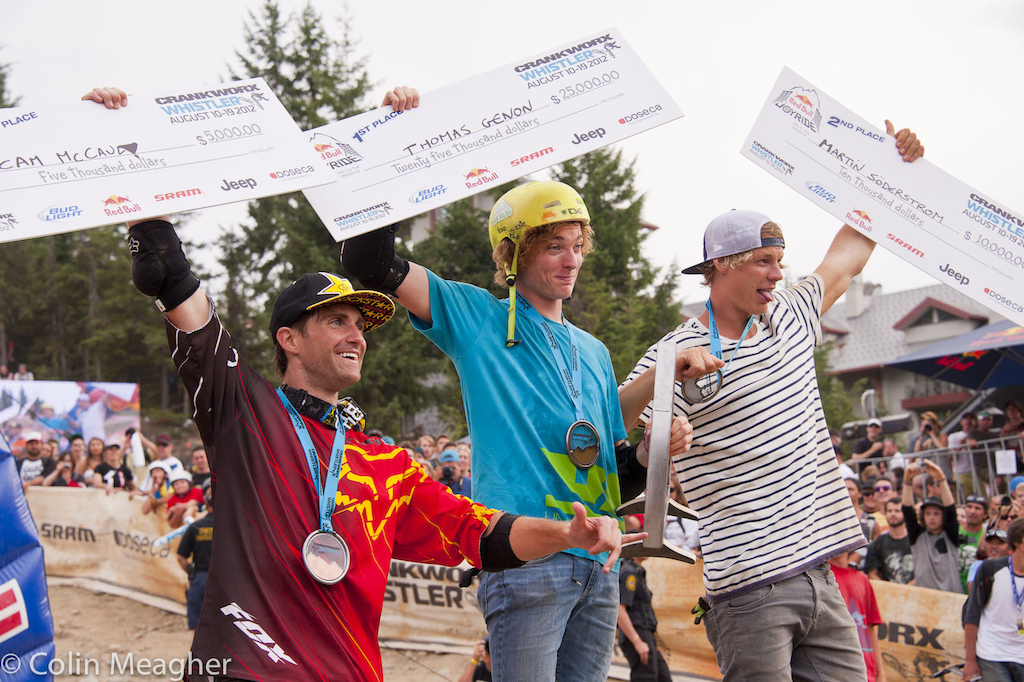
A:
x: 930, y: 219
x: 485, y: 131
x: 78, y: 166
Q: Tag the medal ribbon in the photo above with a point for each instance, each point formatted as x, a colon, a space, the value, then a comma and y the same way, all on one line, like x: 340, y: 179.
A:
x: 572, y: 380
x: 1017, y: 597
x: 328, y: 494
x: 716, y: 338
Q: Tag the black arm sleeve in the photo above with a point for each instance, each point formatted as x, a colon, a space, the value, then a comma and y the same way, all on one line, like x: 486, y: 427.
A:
x: 950, y: 524
x: 495, y: 550
x: 371, y: 259
x: 632, y: 474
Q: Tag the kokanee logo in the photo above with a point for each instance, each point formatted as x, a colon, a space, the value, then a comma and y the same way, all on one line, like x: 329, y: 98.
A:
x: 909, y: 247
x: 1003, y: 300
x: 180, y: 194
x: 859, y: 218
x: 643, y: 113
x: 292, y: 172
x: 13, y: 613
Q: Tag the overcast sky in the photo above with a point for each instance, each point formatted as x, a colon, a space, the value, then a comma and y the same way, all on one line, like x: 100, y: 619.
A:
x: 951, y: 70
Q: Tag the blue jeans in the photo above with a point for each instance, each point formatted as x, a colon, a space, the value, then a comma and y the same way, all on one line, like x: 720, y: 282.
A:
x: 997, y: 671
x: 552, y: 619
x: 194, y: 598
x: 798, y: 628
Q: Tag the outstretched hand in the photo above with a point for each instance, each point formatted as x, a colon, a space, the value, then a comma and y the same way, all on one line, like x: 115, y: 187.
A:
x: 111, y: 98
x: 598, y: 534
x: 910, y: 147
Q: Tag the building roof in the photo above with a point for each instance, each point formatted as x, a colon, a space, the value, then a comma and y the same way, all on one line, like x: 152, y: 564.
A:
x: 877, y: 335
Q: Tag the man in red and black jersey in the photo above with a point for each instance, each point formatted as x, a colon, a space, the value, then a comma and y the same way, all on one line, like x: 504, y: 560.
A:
x: 264, y: 612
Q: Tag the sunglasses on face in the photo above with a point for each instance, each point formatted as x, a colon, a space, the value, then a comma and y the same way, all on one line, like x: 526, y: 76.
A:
x: 883, y: 488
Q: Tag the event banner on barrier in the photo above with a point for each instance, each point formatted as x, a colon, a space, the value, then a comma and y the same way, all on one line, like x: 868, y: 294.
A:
x: 72, y: 167
x: 485, y: 131
x: 927, y: 217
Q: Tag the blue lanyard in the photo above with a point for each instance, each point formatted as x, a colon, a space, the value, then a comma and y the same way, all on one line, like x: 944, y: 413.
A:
x: 572, y: 380
x: 327, y: 494
x: 716, y: 338
x: 1017, y: 597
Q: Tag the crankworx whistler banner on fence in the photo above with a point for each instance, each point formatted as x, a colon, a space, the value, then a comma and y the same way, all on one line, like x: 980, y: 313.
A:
x: 58, y: 409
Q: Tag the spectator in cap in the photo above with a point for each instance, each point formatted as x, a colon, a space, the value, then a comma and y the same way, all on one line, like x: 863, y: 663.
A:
x: 984, y: 430
x: 185, y: 500
x: 994, y: 545
x: 34, y: 467
x: 112, y: 473
x: 994, y: 647
x: 451, y: 473
x: 164, y: 453
x: 931, y: 436
x: 934, y: 539
x: 971, y: 530
x: 870, y: 445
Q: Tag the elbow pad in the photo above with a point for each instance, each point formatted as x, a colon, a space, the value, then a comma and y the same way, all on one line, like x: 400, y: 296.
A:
x: 632, y: 474
x: 159, y: 266
x: 371, y: 259
x: 495, y: 549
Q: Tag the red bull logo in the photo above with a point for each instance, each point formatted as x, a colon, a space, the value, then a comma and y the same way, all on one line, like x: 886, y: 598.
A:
x: 859, y: 218
x: 547, y: 215
x: 116, y: 205
x: 478, y: 177
x: 322, y: 147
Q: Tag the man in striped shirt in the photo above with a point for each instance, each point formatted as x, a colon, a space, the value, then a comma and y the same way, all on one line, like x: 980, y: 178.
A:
x: 761, y: 471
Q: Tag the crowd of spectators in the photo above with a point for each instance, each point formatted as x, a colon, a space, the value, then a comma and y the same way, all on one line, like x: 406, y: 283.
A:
x: 21, y: 375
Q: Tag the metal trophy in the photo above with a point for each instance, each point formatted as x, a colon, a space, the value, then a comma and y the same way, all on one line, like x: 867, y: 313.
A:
x: 657, y: 505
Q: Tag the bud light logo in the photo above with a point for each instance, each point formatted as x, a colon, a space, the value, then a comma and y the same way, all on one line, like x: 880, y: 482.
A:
x: 820, y: 191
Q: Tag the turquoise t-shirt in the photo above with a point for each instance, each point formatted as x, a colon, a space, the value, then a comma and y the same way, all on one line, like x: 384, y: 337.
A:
x: 518, y: 409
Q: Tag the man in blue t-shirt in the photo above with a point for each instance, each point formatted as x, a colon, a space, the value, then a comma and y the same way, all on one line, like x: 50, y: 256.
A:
x: 544, y: 418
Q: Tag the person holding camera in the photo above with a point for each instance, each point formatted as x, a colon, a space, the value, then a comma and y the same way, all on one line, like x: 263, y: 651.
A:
x: 931, y: 436
x: 452, y: 474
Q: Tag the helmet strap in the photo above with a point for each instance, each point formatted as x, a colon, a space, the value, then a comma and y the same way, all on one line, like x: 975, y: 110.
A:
x: 510, y: 279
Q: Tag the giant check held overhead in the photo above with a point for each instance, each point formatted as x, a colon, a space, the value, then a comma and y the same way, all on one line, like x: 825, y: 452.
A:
x: 485, y: 131
x: 81, y: 165
x: 927, y: 217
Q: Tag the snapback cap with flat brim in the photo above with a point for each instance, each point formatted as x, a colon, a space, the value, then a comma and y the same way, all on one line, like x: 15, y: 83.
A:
x: 731, y: 233
x: 316, y: 289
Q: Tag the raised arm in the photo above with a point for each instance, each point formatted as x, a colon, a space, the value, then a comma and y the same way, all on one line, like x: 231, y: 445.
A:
x: 159, y: 266
x: 850, y: 250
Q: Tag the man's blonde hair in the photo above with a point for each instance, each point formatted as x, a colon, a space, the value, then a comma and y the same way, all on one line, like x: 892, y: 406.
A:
x: 707, y: 269
x: 506, y: 248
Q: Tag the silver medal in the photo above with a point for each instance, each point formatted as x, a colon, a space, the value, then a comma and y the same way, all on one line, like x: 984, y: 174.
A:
x: 325, y: 556
x: 702, y: 389
x: 583, y: 444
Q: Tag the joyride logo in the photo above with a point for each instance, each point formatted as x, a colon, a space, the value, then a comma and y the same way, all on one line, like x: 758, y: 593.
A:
x: 802, y: 105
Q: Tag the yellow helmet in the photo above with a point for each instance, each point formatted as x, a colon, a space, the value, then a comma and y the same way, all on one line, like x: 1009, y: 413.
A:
x: 522, y: 209
x: 533, y: 205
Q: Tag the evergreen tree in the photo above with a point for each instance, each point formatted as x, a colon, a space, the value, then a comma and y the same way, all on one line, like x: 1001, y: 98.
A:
x: 837, y: 401
x: 319, y: 79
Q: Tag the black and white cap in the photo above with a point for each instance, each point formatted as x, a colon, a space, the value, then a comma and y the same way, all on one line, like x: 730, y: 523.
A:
x: 731, y: 233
